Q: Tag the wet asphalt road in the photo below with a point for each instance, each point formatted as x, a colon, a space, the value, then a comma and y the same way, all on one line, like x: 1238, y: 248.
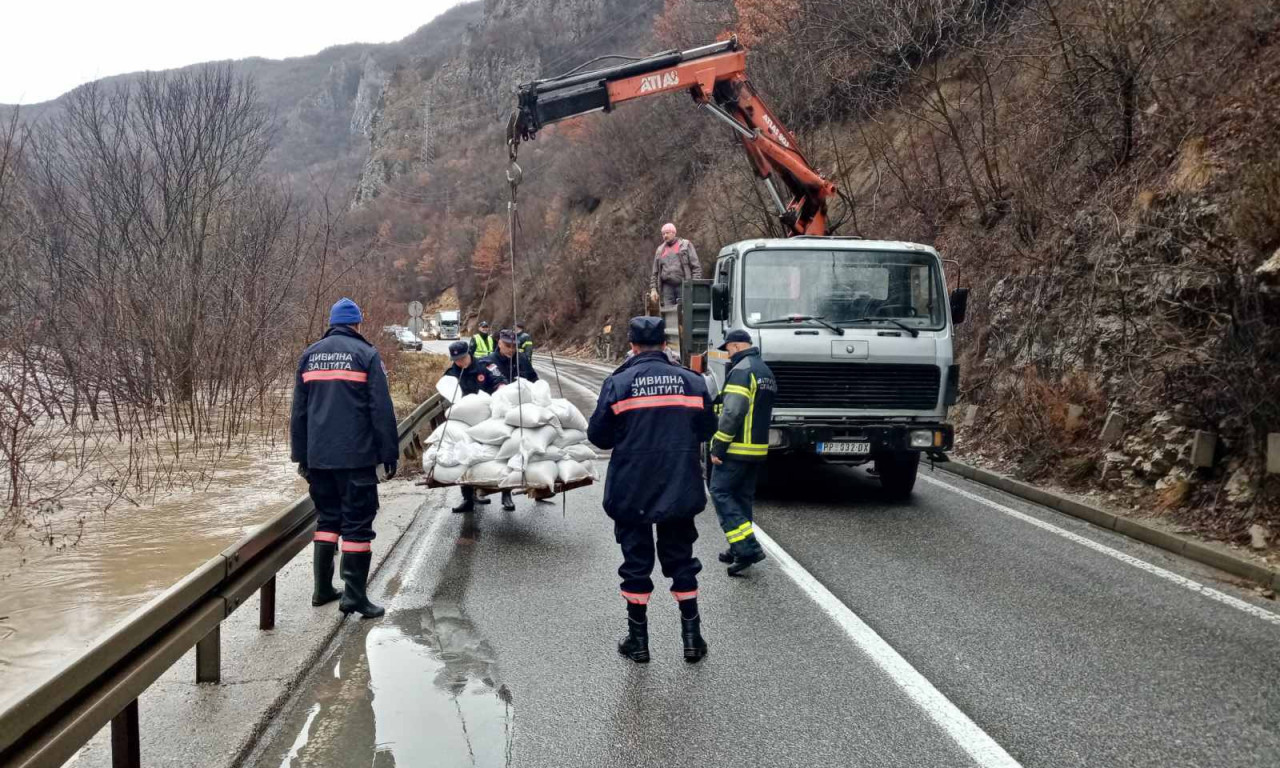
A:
x: 1060, y: 651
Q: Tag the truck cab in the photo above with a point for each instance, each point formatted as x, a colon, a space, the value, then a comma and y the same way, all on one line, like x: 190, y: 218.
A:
x: 449, y: 324
x: 859, y: 336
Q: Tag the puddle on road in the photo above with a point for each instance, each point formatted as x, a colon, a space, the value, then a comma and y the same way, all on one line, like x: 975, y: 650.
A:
x: 419, y: 687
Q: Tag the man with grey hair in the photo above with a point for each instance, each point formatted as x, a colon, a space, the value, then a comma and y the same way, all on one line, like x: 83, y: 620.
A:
x: 674, y: 262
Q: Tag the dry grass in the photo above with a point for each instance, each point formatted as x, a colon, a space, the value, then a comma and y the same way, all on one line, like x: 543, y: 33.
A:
x: 413, y: 377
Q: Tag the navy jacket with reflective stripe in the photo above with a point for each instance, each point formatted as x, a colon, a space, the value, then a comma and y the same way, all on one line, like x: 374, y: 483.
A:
x: 480, y: 376
x: 655, y: 416
x: 342, y: 416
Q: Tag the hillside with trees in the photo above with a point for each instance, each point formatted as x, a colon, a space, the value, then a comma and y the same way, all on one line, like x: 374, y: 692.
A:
x: 1103, y: 174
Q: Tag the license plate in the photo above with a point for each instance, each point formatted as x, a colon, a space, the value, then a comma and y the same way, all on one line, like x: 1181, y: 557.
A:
x: 856, y: 449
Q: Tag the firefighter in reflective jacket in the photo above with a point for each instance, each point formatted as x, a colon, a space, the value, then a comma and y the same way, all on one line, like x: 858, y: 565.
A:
x: 739, y: 446
x: 655, y: 416
x: 342, y: 426
x: 475, y: 375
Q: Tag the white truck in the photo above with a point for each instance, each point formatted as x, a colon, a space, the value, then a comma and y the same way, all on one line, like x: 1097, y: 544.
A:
x: 449, y: 324
x: 858, y: 334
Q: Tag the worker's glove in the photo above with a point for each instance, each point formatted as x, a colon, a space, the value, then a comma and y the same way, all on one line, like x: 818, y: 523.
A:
x: 390, y: 469
x: 303, y: 472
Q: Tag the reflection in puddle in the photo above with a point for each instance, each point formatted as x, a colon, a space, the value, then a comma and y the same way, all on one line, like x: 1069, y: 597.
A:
x: 419, y: 687
x: 435, y: 698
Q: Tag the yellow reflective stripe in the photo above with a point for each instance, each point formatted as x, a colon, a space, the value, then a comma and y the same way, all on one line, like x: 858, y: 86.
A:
x: 741, y: 532
x: 724, y: 437
x: 751, y: 411
x: 749, y: 449
x: 739, y: 528
x: 736, y: 389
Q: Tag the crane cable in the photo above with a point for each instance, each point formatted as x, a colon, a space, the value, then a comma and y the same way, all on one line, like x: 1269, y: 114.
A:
x: 514, y: 176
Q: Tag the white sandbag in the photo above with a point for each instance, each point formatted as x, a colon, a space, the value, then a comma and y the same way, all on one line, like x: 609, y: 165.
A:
x: 580, y: 452
x: 528, y: 416
x: 514, y: 479
x: 462, y: 451
x: 516, y: 393
x: 541, y: 474
x: 541, y: 393
x: 511, y: 447
x: 471, y: 409
x: 490, y: 432
x: 571, y: 471
x: 429, y: 459
x: 567, y: 415
x: 537, y: 441
x: 480, y: 452
x: 448, y: 475
x: 487, y: 473
x: 449, y: 388
x: 593, y: 467
x: 568, y: 437
x: 553, y: 453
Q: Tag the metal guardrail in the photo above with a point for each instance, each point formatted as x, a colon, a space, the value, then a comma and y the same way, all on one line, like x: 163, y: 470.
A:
x: 50, y: 723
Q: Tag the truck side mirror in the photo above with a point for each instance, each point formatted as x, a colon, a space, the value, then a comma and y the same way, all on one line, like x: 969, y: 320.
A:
x: 720, y: 301
x: 959, y: 305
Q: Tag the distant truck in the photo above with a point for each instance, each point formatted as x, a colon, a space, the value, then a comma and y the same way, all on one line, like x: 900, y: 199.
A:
x: 449, y: 324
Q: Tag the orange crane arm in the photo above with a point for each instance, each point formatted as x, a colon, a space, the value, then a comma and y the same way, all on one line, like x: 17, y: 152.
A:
x: 715, y: 76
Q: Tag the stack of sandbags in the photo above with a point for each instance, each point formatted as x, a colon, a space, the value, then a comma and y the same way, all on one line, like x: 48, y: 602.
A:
x: 520, y: 437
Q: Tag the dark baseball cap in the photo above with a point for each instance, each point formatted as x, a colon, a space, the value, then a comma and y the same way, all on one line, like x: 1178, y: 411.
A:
x: 507, y: 336
x: 736, y: 335
x: 458, y: 349
x: 484, y: 323
x: 647, y: 331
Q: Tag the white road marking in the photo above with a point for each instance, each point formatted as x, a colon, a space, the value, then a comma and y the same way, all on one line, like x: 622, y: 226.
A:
x: 964, y: 732
x: 1181, y: 581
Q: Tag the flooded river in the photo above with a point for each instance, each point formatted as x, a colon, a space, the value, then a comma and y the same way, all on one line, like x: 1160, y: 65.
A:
x: 55, y: 603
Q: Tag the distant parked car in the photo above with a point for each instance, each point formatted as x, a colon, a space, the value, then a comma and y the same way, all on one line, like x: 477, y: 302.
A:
x: 407, y: 340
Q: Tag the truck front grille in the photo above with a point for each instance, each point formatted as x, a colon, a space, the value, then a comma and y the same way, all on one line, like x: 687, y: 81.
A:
x: 856, y: 385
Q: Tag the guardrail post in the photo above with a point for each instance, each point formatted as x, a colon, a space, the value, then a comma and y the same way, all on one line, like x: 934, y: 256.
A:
x: 126, y: 751
x: 209, y: 657
x: 267, y: 605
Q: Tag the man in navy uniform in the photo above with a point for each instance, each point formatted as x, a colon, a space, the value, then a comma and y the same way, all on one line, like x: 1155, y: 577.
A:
x: 510, y: 360
x: 655, y: 416
x: 343, y: 426
x: 739, y: 446
x: 474, y: 376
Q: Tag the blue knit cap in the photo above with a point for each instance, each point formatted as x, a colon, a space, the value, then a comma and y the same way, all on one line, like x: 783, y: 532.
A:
x: 345, y: 312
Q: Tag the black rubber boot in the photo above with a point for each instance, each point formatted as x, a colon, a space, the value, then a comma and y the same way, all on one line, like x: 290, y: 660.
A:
x: 322, y: 567
x: 745, y: 561
x: 695, y: 648
x: 726, y: 556
x: 508, y: 503
x: 355, y: 574
x: 468, y: 501
x: 635, y: 645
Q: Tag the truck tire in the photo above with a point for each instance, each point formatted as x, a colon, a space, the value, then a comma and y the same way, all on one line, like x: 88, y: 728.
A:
x: 897, y: 473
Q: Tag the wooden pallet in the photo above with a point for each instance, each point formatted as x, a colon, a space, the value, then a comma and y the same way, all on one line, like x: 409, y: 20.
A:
x: 533, y: 493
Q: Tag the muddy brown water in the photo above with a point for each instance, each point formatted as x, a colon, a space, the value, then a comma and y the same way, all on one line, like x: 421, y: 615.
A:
x: 53, y: 604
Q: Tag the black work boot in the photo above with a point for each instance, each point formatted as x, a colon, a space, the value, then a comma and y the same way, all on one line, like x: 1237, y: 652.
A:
x: 355, y: 574
x: 508, y: 503
x: 742, y: 562
x: 635, y: 645
x: 695, y: 648
x: 726, y: 556
x: 322, y: 567
x: 468, y: 501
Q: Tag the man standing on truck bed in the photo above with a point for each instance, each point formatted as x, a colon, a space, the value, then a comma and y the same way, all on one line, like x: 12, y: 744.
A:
x: 655, y: 416
x: 474, y: 376
x: 674, y: 262
x: 739, y: 446
x: 343, y: 426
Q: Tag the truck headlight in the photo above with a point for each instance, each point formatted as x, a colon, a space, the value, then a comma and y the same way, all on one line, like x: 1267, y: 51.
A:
x: 922, y: 438
x: 777, y: 438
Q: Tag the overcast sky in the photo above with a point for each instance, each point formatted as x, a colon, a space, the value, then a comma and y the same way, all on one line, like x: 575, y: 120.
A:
x: 51, y: 46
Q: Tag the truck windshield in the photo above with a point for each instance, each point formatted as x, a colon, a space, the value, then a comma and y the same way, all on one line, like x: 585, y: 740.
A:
x: 844, y: 287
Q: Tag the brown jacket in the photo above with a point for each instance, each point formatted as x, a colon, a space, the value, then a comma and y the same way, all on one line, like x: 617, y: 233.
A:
x: 674, y: 264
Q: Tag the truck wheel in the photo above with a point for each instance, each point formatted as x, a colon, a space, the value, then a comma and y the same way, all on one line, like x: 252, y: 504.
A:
x: 897, y: 473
